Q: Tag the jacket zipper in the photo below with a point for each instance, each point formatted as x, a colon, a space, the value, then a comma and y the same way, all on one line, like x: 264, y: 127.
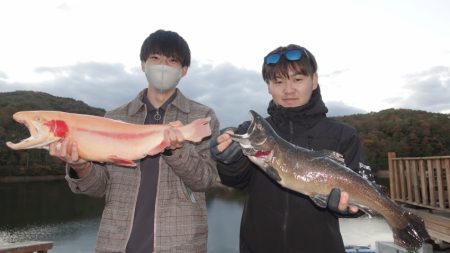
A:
x: 136, y: 196
x: 155, y: 223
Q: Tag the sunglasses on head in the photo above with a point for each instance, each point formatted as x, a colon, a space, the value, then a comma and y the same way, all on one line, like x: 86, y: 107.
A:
x: 290, y: 55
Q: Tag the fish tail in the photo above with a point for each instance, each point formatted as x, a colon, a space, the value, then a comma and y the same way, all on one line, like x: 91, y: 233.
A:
x: 411, y: 233
x: 197, y: 130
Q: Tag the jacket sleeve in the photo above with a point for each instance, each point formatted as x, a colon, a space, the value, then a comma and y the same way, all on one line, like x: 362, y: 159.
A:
x: 193, y: 162
x: 239, y: 173
x: 92, y: 184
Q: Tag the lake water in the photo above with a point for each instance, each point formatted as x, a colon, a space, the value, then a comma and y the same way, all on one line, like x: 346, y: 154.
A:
x: 49, y: 211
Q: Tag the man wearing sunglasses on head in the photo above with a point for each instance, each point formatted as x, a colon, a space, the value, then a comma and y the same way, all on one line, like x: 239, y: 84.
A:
x: 276, y: 219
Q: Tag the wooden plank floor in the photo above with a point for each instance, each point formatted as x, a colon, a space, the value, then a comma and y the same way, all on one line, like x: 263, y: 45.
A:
x: 26, y: 247
x: 437, y: 223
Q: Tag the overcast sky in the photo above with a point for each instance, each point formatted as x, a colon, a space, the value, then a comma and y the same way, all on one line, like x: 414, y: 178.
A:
x: 372, y: 55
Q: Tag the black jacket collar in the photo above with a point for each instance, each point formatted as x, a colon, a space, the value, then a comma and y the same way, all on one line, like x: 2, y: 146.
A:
x: 306, y: 115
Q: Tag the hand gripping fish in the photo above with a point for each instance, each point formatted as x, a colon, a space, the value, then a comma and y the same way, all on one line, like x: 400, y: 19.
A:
x: 101, y: 139
x: 316, y: 173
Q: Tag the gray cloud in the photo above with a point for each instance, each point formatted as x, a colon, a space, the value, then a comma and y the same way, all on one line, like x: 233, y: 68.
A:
x: 428, y: 90
x: 98, y: 84
x: 63, y: 7
x: 335, y: 73
x: 229, y: 90
x: 3, y: 75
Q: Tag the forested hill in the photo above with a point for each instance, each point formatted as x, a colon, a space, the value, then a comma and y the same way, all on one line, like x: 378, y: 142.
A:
x: 32, y: 100
x: 406, y: 132
x: 31, y: 162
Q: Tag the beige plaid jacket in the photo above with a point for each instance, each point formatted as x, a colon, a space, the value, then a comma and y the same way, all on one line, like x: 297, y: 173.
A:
x: 181, y: 223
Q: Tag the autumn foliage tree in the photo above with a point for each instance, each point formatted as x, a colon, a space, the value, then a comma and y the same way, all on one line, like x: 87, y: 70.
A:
x: 409, y: 133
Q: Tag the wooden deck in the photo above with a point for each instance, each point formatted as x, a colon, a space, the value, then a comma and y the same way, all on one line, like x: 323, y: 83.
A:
x: 423, y: 183
x: 26, y: 247
x: 437, y: 224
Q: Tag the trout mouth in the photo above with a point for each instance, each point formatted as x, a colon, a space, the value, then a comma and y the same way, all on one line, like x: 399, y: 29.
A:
x: 246, y: 144
x: 39, y: 136
x: 248, y: 149
x: 243, y: 139
x: 253, y: 138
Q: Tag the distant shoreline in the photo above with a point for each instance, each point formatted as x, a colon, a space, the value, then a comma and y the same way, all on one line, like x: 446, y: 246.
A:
x: 27, y: 179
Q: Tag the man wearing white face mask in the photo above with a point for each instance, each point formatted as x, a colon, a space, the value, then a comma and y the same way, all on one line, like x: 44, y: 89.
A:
x: 164, y: 78
x: 159, y: 206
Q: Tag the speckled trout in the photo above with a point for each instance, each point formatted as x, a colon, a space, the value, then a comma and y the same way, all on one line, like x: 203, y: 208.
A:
x: 101, y: 139
x: 316, y: 173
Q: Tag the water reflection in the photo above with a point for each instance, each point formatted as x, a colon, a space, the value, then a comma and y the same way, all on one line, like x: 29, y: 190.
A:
x: 49, y: 211
x: 25, y: 204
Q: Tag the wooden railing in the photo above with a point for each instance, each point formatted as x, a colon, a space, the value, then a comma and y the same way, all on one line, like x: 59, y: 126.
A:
x: 420, y: 181
x: 423, y: 182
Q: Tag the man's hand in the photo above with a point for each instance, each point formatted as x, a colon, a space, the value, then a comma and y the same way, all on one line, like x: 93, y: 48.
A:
x: 338, y: 202
x: 174, y: 135
x: 224, y: 149
x: 224, y: 140
x: 67, y: 150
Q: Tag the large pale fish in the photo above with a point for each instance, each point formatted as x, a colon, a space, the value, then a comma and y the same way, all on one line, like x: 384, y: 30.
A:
x: 101, y: 139
x: 316, y: 173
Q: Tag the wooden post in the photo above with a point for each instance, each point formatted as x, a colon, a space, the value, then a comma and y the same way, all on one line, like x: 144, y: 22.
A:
x: 431, y: 183
x: 399, y: 166
x: 439, y: 183
x: 409, y: 184
x: 392, y: 183
x: 447, y: 176
x: 415, y: 183
x: 423, y: 183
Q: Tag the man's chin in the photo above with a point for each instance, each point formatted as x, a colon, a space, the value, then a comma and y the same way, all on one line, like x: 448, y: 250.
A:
x: 290, y: 103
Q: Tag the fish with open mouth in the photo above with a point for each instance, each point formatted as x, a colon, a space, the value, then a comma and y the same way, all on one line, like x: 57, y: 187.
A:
x: 101, y: 139
x: 316, y: 173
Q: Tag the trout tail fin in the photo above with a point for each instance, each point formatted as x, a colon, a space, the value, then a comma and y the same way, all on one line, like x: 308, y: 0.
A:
x: 197, y: 130
x: 412, y: 234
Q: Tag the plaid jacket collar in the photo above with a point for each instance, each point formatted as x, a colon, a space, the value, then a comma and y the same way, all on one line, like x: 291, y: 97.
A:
x: 180, y: 102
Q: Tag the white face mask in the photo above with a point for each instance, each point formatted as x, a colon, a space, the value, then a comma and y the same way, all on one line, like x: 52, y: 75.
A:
x: 162, y: 77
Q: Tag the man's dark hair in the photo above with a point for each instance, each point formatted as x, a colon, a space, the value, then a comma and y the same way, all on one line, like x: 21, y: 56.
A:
x: 166, y: 43
x: 307, y: 65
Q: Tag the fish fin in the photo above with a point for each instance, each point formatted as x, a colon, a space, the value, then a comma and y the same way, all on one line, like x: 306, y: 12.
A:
x: 320, y: 200
x: 121, y: 161
x: 413, y: 234
x: 382, y: 189
x: 197, y: 129
x: 369, y: 212
x: 161, y: 146
x: 273, y: 173
x: 335, y: 156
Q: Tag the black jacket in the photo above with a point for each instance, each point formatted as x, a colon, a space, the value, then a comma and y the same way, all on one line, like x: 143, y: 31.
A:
x: 279, y: 220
